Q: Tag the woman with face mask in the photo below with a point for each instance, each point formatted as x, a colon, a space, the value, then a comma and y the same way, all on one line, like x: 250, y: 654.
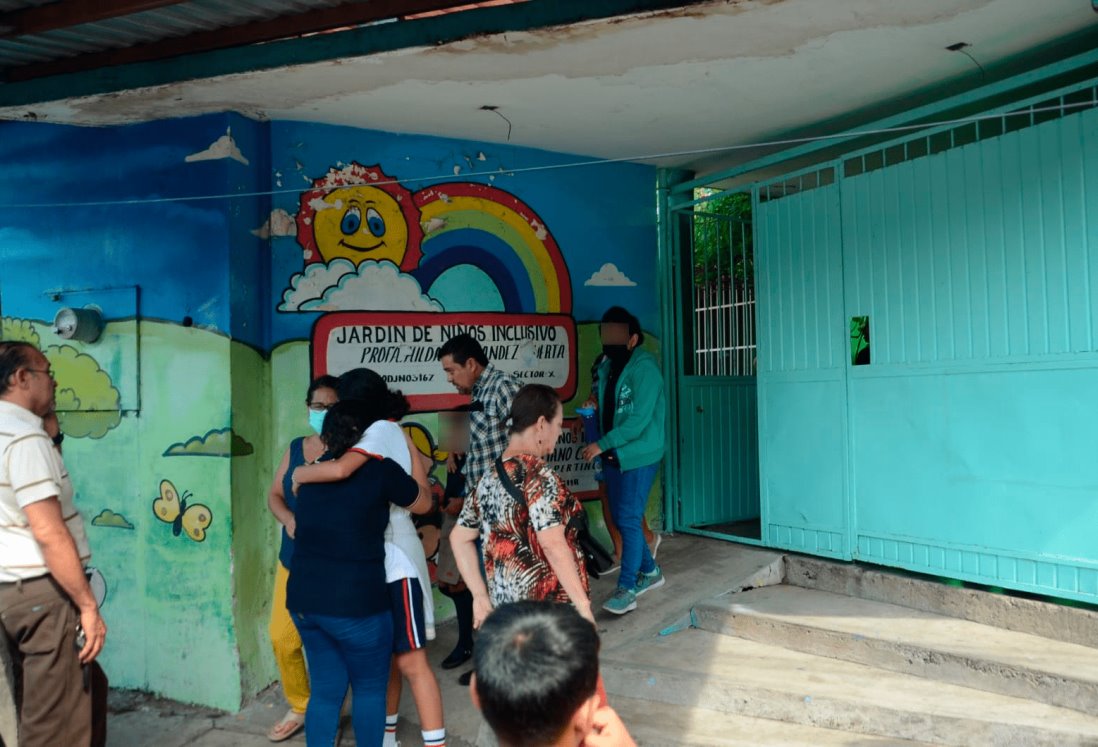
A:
x: 337, y: 592
x: 280, y: 499
x: 632, y: 412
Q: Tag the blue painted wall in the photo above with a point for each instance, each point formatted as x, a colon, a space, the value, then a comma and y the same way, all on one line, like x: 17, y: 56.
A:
x: 201, y: 378
x: 178, y: 248
x: 494, y: 228
x: 596, y: 214
x: 152, y: 399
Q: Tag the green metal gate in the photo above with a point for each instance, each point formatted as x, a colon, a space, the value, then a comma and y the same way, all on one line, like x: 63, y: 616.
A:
x: 803, y: 343
x: 717, y: 417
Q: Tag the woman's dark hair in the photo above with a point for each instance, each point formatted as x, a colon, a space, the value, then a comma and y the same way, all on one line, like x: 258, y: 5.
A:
x: 14, y: 355
x: 461, y: 348
x: 320, y: 382
x: 533, y: 401
x: 618, y: 315
x: 345, y: 423
x: 536, y: 663
x: 366, y: 385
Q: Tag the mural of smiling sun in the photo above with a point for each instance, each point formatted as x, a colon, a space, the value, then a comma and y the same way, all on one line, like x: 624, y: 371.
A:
x: 358, y: 213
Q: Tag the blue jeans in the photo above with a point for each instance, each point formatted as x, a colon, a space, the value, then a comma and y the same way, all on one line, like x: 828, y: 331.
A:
x: 628, y: 493
x: 344, y: 651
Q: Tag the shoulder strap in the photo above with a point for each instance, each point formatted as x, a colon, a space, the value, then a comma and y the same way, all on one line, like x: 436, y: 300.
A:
x: 507, y: 482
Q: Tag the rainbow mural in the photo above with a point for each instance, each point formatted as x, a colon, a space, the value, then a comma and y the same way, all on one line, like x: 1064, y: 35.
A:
x: 356, y: 218
x: 398, y: 273
x: 480, y: 225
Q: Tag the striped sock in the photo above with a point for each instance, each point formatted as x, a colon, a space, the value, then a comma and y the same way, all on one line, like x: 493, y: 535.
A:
x: 390, y: 730
x: 434, y: 738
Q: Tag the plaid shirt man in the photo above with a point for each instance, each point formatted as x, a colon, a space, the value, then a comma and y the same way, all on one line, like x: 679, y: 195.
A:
x: 491, y: 406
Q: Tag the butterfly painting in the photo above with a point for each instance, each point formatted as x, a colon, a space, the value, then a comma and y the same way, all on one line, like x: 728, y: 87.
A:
x: 171, y: 508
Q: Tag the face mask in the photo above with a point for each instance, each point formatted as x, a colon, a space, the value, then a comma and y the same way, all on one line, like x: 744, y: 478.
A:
x: 618, y: 354
x: 316, y: 420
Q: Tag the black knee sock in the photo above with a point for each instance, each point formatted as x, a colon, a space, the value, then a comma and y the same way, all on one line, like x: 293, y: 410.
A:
x: 463, y: 604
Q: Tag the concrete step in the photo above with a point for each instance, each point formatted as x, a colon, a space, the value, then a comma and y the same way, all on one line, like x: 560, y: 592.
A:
x: 1050, y: 620
x: 911, y: 641
x: 700, y: 669
x: 662, y: 725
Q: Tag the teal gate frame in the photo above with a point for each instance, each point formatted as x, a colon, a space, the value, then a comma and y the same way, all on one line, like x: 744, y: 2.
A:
x: 968, y: 248
x: 714, y: 481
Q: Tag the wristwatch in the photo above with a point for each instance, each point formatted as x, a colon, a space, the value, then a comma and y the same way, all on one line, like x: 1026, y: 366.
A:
x: 58, y: 438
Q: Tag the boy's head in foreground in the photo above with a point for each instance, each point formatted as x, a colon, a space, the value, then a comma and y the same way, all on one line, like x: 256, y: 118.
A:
x: 537, y: 669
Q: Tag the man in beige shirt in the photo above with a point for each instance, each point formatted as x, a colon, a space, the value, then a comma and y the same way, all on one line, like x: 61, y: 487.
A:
x: 47, y: 609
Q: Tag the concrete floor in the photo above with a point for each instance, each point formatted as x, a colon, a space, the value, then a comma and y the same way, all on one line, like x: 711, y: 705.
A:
x: 695, y: 568
x: 773, y: 665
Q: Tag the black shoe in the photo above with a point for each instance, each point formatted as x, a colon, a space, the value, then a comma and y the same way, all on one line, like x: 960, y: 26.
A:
x: 464, y: 679
x: 457, y: 657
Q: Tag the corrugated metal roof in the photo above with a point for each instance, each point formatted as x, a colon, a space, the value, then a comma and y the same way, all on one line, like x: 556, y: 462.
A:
x: 141, y: 28
x: 41, y: 38
x: 52, y: 39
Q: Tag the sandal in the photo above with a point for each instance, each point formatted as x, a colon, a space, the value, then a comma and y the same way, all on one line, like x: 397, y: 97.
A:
x: 290, y: 724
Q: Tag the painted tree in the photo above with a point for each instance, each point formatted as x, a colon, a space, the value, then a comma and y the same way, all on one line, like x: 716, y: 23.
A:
x: 88, y: 404
x: 19, y: 330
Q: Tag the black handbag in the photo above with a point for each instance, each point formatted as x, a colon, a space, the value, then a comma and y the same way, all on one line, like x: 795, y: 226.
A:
x: 596, y: 557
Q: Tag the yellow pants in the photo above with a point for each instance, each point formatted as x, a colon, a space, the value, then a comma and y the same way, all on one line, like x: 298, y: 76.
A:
x: 286, y: 643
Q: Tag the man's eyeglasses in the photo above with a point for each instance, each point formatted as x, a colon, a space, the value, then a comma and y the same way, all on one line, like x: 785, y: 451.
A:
x: 47, y: 371
x: 320, y: 406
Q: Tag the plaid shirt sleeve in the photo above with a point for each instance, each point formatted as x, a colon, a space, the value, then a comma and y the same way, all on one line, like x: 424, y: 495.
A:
x: 488, y: 432
x: 506, y: 387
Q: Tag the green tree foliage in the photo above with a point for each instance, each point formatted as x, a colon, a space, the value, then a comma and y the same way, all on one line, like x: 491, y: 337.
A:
x: 859, y: 340
x: 722, y: 239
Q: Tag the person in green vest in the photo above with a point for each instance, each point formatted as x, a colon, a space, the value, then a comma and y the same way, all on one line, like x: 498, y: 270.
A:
x: 632, y: 410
